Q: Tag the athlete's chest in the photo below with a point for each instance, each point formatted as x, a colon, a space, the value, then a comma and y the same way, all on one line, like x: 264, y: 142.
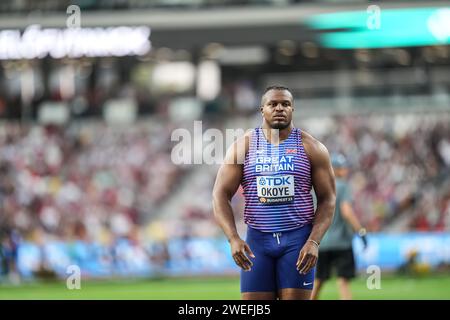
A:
x: 274, y: 163
x: 274, y: 160
x: 274, y: 176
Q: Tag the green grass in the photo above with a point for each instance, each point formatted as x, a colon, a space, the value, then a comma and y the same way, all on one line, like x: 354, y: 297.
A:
x: 431, y: 287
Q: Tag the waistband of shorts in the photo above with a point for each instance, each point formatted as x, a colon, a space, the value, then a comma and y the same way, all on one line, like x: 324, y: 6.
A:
x: 258, y: 233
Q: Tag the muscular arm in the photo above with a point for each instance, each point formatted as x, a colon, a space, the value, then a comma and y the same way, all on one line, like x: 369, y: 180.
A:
x: 324, y: 186
x: 227, y: 182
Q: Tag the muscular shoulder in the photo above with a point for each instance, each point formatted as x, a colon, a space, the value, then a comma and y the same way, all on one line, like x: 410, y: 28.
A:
x: 315, y: 150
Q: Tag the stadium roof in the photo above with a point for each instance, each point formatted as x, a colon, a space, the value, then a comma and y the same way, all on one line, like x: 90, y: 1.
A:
x: 178, y: 28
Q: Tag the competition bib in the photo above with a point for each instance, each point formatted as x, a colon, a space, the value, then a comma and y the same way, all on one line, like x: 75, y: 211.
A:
x: 275, y: 189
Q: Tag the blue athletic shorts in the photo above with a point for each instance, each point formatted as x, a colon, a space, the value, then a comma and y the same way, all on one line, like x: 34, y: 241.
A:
x: 274, y: 265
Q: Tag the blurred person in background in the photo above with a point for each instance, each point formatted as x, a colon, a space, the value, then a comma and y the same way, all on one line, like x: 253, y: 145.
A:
x: 283, y: 232
x: 9, y: 244
x: 336, y: 250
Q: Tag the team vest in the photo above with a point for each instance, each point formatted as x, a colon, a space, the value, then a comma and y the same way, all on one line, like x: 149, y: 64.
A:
x: 277, y: 184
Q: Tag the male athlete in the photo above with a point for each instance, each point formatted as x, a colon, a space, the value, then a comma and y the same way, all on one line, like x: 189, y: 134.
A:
x: 277, y: 165
x: 336, y: 248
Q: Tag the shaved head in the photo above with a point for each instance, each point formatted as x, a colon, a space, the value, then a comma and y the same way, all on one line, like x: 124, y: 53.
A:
x: 274, y: 88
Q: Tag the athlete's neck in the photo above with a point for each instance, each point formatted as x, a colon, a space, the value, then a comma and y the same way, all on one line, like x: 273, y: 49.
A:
x: 276, y: 136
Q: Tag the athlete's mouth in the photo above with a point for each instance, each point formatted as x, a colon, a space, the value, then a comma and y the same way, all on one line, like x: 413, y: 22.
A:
x: 279, y: 117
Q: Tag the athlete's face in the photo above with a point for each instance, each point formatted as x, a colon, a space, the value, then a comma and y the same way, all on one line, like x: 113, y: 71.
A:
x: 277, y: 107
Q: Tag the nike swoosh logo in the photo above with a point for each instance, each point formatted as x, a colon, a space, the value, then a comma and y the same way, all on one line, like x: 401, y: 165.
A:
x: 307, y: 284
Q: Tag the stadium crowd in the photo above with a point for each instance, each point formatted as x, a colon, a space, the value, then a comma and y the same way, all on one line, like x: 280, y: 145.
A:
x: 89, y: 182
x: 98, y: 184
x: 400, y: 169
x: 400, y: 166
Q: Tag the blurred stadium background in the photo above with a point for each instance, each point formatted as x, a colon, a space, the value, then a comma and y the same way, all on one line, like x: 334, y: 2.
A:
x: 86, y: 117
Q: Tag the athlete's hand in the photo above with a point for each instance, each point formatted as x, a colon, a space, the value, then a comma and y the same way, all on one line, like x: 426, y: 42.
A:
x: 239, y: 251
x: 307, y: 258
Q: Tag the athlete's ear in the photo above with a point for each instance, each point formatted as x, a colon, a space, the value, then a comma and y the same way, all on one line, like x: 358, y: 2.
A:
x: 261, y: 109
